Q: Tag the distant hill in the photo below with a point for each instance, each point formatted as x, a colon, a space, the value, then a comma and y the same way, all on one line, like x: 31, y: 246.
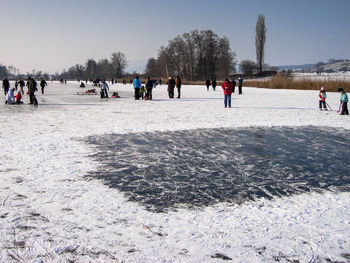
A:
x: 331, y: 66
x: 296, y: 67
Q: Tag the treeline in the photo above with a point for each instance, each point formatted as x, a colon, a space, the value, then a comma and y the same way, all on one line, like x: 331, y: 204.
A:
x: 103, y: 69
x: 197, y: 55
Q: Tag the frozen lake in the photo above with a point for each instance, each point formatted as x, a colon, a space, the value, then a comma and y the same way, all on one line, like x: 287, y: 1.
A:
x: 86, y: 179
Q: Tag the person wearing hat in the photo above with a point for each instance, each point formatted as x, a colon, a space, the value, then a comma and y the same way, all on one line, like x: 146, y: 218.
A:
x: 343, y: 102
x: 322, y: 102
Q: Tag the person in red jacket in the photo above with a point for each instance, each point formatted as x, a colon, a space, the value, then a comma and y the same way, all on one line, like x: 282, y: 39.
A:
x: 227, y: 86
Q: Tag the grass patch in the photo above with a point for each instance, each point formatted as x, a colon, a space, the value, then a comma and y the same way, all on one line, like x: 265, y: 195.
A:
x: 286, y: 82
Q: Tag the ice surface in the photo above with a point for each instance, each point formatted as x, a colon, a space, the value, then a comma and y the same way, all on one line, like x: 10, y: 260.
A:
x: 50, y: 211
x: 206, y: 166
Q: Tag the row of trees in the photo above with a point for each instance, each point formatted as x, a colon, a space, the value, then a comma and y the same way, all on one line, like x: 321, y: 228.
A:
x: 104, y: 68
x: 197, y: 55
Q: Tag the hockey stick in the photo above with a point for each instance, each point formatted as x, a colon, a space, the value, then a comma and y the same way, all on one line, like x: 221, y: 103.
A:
x: 328, y: 106
x: 339, y: 106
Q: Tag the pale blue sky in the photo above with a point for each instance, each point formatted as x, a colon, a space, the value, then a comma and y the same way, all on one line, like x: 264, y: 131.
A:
x: 51, y: 35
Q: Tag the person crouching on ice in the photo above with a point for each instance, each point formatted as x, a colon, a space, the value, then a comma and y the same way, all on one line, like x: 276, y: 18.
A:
x: 227, y: 86
x: 322, y: 101
x: 343, y: 102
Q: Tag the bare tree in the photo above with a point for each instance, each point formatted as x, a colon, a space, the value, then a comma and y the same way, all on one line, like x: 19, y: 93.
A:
x: 247, y: 66
x: 118, y: 64
x: 260, y: 39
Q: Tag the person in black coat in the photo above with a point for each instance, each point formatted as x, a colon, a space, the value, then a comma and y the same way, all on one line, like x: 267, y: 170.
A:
x: 213, y: 84
x: 43, y: 84
x: 171, y: 87
x: 6, y: 85
x: 233, y: 85
x: 149, y: 87
x: 207, y: 83
x: 240, y: 84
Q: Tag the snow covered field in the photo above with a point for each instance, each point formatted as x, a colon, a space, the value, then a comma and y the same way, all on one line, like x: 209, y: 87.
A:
x: 52, y: 211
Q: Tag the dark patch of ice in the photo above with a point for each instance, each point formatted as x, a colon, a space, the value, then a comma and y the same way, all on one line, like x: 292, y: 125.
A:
x: 195, y: 168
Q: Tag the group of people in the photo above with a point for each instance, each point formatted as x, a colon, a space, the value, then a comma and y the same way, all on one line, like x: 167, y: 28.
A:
x: 213, y: 83
x: 229, y: 88
x: 12, y: 98
x: 144, y: 91
x: 343, y: 106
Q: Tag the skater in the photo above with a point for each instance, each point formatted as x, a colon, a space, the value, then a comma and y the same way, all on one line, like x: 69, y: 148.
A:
x: 213, y: 84
x: 171, y: 87
x: 82, y: 85
x: 343, y: 102
x: 322, y: 102
x: 137, y: 86
x: 233, y: 85
x: 32, y: 88
x: 207, y: 83
x: 240, y: 84
x: 149, y: 87
x: 104, y: 88
x: 227, y: 87
x: 21, y: 85
x: 43, y: 84
x: 178, y: 86
x: 6, y: 85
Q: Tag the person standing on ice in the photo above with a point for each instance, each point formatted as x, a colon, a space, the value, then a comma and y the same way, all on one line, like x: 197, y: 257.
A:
x: 149, y: 87
x: 343, y: 102
x: 178, y: 86
x: 322, y: 102
x: 32, y: 87
x: 240, y: 84
x: 43, y: 84
x: 104, y: 89
x: 171, y: 87
x: 137, y: 86
x: 207, y: 83
x: 227, y: 87
x: 213, y: 84
x: 6, y: 85
x: 233, y: 85
x: 21, y: 85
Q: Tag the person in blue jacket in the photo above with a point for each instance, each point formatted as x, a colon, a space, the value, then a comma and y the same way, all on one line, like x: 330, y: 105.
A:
x: 137, y: 86
x: 344, y: 102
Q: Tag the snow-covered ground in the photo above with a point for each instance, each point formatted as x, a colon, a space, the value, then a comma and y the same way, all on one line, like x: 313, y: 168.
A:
x: 342, y: 76
x: 50, y: 211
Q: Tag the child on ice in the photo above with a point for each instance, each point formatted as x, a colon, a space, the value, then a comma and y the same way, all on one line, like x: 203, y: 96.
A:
x: 322, y: 101
x: 343, y: 102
